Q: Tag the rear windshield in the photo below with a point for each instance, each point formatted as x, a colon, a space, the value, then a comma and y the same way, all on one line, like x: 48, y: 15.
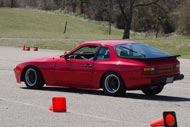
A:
x: 138, y: 50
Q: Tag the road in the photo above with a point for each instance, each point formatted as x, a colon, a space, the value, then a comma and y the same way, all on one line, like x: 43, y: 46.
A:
x: 20, y: 107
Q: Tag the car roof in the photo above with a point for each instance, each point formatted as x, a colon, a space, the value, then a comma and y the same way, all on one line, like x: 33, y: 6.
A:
x: 109, y: 42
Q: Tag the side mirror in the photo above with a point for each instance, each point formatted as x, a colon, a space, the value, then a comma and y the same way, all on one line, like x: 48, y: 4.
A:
x: 66, y: 56
x: 65, y: 52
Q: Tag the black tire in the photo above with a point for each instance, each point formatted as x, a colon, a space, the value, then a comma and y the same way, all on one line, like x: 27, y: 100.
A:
x: 112, y: 84
x: 33, y: 78
x: 152, y: 90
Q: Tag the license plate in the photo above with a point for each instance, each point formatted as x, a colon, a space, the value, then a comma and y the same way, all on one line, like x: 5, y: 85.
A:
x: 170, y: 80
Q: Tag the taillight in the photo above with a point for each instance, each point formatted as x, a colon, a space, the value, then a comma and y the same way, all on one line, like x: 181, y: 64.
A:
x: 176, y: 67
x: 161, y: 69
x: 149, y: 70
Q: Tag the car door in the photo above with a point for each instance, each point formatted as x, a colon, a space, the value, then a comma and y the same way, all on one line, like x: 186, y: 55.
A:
x: 75, y: 71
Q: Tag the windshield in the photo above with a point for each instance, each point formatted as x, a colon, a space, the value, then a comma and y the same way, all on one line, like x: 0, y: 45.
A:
x: 138, y: 50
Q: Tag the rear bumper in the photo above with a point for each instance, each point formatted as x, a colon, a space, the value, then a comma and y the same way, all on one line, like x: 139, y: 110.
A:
x: 179, y: 77
x: 167, y: 79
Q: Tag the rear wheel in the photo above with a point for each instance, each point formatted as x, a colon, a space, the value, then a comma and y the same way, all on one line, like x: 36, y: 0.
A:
x: 152, y: 90
x: 112, y: 84
x: 33, y: 78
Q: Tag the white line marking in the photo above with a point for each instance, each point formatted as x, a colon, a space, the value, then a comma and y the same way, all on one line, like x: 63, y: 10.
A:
x: 73, y: 112
x: 108, y: 119
x: 21, y: 103
x: 177, y: 87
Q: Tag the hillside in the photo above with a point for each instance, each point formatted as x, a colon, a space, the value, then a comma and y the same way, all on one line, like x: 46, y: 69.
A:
x: 45, y: 29
x: 28, y: 23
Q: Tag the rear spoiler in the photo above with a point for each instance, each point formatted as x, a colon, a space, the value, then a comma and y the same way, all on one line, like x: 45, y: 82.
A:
x: 157, y: 58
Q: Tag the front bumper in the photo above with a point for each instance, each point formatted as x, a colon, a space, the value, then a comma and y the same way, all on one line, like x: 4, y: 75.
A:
x: 17, y: 72
x: 166, y: 79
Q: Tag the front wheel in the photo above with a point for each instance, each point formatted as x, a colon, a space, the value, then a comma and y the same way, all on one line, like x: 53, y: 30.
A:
x: 112, y: 84
x: 152, y: 90
x: 33, y: 78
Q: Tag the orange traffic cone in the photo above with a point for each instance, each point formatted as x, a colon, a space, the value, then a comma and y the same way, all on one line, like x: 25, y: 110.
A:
x: 158, y: 123
x: 168, y: 120
x: 58, y: 104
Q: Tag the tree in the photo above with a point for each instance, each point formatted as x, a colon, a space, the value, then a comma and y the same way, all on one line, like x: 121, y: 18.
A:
x: 127, y: 7
x: 184, y: 18
x: 12, y: 3
x: 153, y: 19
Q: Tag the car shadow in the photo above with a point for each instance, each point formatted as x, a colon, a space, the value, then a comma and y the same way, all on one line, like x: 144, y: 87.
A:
x: 127, y: 95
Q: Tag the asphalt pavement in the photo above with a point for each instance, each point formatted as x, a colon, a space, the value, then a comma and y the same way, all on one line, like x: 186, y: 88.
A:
x: 21, y: 107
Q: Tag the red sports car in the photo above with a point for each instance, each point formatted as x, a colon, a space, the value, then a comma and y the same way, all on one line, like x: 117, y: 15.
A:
x: 113, y: 65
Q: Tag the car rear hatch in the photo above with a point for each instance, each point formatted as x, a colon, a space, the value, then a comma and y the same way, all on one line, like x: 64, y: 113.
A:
x: 162, y: 70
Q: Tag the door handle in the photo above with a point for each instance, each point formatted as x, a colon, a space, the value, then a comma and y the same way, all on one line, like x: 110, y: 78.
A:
x: 88, y: 65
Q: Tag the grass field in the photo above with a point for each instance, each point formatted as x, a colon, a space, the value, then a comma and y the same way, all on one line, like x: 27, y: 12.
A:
x: 46, y: 30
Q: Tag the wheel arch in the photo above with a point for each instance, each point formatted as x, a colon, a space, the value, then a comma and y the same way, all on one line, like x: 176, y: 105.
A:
x: 111, y: 72
x: 31, y: 66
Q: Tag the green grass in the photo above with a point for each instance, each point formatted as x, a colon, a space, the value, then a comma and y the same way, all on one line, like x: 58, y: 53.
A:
x: 174, y: 44
x: 30, y: 23
x: 45, y: 30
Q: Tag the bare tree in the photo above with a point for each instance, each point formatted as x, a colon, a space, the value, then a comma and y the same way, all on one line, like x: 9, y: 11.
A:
x: 62, y: 4
x: 1, y: 3
x: 184, y: 18
x: 82, y: 6
x: 12, y: 3
x: 109, y: 15
x: 126, y: 7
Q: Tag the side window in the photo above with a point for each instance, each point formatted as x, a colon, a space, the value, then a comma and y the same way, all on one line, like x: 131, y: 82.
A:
x: 84, y: 53
x: 86, y: 50
x: 103, y: 54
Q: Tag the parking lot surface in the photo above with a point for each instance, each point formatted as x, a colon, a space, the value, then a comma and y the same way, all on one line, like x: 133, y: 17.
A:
x: 21, y: 107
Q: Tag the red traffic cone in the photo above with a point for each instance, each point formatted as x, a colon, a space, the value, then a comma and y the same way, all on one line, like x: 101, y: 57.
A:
x: 58, y: 104
x: 27, y: 48
x: 51, y: 108
x: 158, y: 123
x: 35, y: 48
x: 23, y: 47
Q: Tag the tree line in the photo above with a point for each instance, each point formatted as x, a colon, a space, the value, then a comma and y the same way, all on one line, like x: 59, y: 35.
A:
x: 154, y: 16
